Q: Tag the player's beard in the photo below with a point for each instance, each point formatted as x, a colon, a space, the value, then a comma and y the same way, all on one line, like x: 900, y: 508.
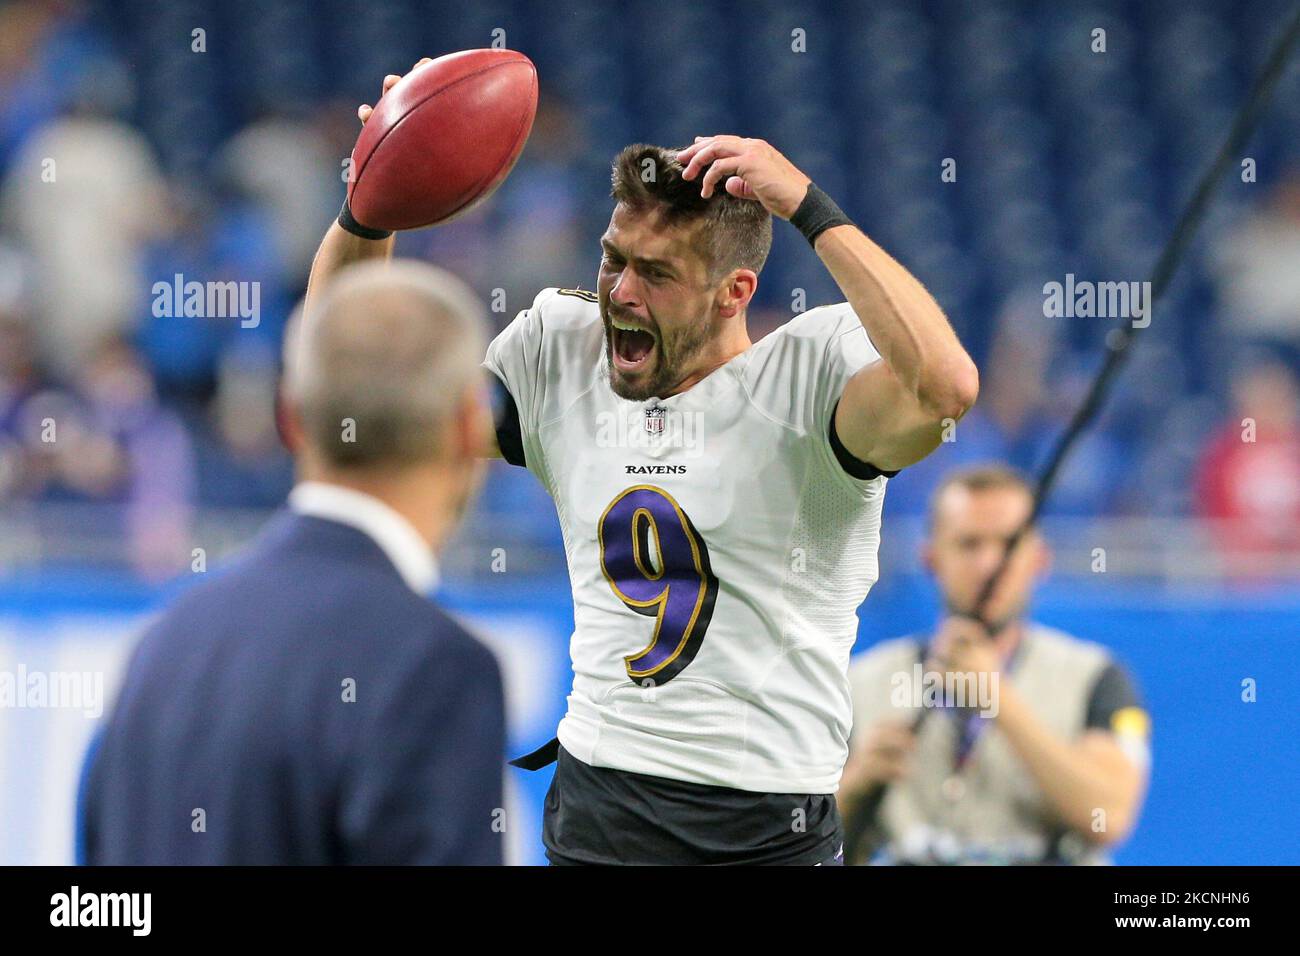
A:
x: 674, y: 354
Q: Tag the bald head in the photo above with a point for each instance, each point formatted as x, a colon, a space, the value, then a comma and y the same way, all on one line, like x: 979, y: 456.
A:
x: 379, y: 366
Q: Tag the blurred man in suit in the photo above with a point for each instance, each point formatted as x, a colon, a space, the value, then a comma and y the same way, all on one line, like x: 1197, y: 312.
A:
x: 1034, y: 746
x: 310, y: 704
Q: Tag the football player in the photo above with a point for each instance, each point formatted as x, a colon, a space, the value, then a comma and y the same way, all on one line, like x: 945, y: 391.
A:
x: 720, y: 501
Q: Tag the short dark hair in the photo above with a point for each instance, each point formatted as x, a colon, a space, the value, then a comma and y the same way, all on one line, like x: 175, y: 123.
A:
x: 737, y: 233
x: 985, y: 477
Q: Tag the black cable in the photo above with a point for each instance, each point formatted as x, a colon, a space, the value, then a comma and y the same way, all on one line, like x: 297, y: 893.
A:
x: 865, y: 835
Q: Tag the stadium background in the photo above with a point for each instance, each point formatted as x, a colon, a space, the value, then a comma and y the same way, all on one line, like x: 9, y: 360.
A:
x: 225, y: 164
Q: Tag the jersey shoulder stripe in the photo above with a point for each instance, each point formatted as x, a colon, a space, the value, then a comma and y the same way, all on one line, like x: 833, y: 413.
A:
x: 563, y: 310
x: 578, y: 293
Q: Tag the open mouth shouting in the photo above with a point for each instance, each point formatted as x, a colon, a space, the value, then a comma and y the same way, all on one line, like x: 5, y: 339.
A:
x: 633, y: 347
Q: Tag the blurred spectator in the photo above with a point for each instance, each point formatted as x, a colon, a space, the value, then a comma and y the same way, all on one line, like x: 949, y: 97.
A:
x: 241, y: 460
x: 81, y: 196
x: 1009, y: 421
x: 29, y: 401
x: 120, y: 446
x: 1095, y: 470
x: 539, y: 242
x: 1260, y: 284
x: 1019, y: 382
x: 527, y: 237
x: 1163, y: 425
x: 285, y: 165
x: 207, y: 237
x: 1249, y: 476
x: 182, y: 350
x: 27, y: 98
x: 20, y: 382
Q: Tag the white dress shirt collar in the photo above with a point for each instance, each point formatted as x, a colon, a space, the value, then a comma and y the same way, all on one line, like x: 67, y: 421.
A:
x: 393, y: 533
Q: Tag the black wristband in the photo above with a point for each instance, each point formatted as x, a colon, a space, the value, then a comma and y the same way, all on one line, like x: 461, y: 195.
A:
x: 816, y: 214
x: 349, y: 222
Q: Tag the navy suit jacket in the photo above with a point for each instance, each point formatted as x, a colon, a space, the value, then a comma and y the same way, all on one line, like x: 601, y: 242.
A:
x: 234, y: 741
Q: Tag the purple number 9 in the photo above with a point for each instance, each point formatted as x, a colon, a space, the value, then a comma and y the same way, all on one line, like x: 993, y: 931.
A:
x: 658, y: 565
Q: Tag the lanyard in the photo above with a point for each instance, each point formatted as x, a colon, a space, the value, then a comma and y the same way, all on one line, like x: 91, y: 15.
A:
x: 970, y: 725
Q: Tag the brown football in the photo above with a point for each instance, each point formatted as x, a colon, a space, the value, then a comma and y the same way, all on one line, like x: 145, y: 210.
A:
x: 442, y: 139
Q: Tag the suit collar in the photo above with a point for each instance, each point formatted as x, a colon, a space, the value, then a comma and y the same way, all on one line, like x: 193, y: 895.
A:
x: 409, y: 553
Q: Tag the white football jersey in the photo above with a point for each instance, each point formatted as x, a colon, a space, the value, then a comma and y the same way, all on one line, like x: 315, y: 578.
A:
x: 717, y: 550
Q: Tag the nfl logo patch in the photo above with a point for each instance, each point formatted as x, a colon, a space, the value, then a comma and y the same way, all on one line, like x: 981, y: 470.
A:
x: 654, y: 419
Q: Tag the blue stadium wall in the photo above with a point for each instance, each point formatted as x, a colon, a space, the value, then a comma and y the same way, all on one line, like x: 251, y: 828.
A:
x: 1225, y: 783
